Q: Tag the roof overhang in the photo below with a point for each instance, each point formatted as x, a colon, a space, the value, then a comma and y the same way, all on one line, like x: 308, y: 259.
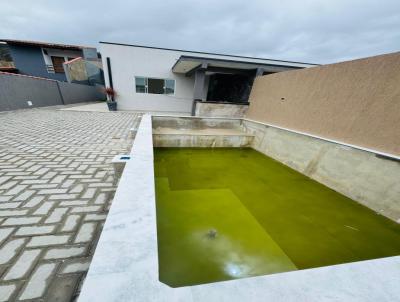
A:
x: 43, y: 44
x: 189, y: 64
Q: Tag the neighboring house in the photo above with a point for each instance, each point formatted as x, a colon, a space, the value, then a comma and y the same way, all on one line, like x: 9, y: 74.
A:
x: 41, y: 59
x: 171, y: 80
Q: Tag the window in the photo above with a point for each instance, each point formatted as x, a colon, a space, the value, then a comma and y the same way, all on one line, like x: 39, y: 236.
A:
x: 141, y: 85
x: 58, y: 64
x: 169, y: 86
x: 154, y: 86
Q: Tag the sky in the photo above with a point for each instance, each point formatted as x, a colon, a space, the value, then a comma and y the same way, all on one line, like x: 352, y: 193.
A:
x: 314, y: 31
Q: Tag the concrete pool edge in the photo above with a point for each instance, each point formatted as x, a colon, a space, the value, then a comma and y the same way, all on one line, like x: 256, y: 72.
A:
x: 125, y: 264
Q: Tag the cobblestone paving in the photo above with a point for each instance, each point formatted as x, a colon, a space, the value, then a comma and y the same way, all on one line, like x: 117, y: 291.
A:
x: 56, y: 185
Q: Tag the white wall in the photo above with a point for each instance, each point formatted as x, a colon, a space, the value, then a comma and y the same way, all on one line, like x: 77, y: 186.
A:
x: 128, y: 62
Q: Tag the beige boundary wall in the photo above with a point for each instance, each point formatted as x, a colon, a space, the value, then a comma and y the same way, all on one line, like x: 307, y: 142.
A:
x: 355, y: 102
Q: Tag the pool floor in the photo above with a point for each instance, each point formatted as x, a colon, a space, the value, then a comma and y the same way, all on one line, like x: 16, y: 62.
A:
x: 232, y: 213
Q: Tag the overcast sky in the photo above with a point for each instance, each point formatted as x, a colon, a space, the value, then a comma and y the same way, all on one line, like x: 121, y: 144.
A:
x: 316, y: 31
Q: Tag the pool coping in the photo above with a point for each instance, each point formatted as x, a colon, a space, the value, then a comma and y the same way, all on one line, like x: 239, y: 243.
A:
x: 125, y: 264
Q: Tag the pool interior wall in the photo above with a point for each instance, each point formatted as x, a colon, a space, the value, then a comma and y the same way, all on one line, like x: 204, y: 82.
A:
x: 230, y: 213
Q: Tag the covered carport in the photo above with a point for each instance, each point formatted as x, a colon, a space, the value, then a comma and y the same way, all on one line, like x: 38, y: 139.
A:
x: 226, y: 81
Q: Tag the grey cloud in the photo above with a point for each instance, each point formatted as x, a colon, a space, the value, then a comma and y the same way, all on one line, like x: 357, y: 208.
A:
x: 309, y: 30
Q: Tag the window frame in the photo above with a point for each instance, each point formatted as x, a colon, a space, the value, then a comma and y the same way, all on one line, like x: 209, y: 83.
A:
x: 146, y: 85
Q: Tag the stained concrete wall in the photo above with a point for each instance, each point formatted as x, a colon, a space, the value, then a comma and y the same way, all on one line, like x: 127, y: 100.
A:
x: 210, y: 109
x: 75, y: 70
x: 372, y: 181
x: 202, y: 141
x: 17, y: 90
x: 195, y: 122
x: 199, y: 132
x: 355, y: 102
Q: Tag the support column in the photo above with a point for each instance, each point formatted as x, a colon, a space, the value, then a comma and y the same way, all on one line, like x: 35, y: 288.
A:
x: 199, y: 80
x: 198, y: 91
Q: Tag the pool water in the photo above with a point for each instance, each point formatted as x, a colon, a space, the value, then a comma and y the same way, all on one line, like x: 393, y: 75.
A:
x: 232, y: 213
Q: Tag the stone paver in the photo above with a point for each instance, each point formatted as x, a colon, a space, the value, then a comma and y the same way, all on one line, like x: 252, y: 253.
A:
x: 23, y: 264
x: 56, y: 186
x: 6, y: 292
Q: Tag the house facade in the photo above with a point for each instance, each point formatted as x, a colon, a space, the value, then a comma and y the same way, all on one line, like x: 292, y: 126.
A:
x: 41, y: 59
x: 171, y: 80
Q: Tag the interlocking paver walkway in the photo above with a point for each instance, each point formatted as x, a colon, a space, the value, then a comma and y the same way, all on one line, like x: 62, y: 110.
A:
x: 56, y: 186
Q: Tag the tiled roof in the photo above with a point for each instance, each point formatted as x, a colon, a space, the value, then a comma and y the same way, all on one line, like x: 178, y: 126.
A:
x: 43, y: 44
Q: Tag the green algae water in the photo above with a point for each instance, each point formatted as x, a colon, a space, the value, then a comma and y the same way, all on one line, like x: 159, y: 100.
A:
x: 232, y: 213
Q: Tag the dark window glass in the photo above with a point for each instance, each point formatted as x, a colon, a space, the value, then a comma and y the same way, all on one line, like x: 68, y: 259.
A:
x: 141, y: 84
x: 155, y: 86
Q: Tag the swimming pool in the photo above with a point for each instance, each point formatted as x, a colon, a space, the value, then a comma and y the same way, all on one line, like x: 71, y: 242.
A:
x: 232, y: 213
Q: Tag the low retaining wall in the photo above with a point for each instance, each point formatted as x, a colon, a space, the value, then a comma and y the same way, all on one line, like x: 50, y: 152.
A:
x: 363, y: 176
x: 202, y: 141
x: 190, y: 122
x: 210, y: 109
x: 199, y: 132
x: 16, y: 91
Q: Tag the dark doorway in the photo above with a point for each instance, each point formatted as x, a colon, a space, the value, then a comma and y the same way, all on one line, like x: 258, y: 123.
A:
x: 230, y: 88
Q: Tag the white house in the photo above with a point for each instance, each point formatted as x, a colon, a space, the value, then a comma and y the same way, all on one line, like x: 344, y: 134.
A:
x: 171, y: 80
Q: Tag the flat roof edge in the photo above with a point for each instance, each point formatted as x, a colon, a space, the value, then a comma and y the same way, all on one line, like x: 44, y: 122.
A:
x: 274, y: 64
x: 207, y: 53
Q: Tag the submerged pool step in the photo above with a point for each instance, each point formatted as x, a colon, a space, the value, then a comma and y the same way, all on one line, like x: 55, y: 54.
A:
x: 206, y: 138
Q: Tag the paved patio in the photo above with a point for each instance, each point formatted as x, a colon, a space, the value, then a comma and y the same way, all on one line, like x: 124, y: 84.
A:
x: 56, y: 186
